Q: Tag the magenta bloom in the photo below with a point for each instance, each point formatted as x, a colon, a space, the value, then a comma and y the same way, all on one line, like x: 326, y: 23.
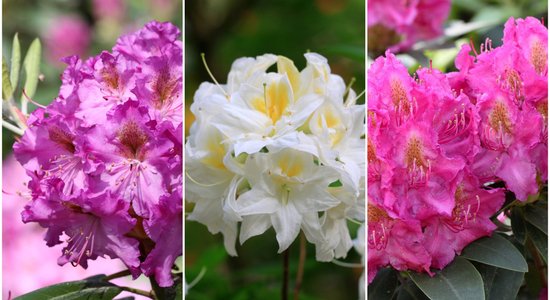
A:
x: 394, y: 242
x: 397, y: 25
x: 423, y: 135
x: 105, y: 159
x: 437, y: 142
x: 446, y: 236
x: 509, y: 86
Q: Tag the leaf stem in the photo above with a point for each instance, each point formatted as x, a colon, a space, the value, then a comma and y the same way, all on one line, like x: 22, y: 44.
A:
x: 117, y: 275
x: 284, y: 289
x: 138, y: 292
x: 12, y: 128
x: 301, y: 263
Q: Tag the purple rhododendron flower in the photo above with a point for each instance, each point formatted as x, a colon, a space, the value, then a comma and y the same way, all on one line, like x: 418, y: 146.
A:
x: 105, y: 158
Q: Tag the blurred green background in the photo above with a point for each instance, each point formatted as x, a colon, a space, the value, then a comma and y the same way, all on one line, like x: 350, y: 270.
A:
x: 67, y: 27
x: 225, y: 31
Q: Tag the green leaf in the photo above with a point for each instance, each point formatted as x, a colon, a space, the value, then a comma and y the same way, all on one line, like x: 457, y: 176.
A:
x: 537, y: 216
x: 539, y: 239
x: 15, y: 61
x: 496, y: 251
x: 383, y: 285
x: 409, y: 291
x: 459, y: 280
x: 7, y: 91
x: 31, y: 65
x: 518, y: 224
x: 93, y: 288
x: 500, y: 284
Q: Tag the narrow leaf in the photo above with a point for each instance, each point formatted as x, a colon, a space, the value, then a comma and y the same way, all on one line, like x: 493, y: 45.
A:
x: 383, y: 285
x: 7, y: 91
x: 31, y: 65
x: 15, y: 61
x: 458, y: 281
x: 496, y: 251
x: 500, y: 284
x: 92, y: 288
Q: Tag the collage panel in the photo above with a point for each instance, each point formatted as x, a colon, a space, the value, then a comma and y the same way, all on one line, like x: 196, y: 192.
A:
x: 457, y: 117
x: 206, y: 149
x: 92, y: 117
x: 274, y: 153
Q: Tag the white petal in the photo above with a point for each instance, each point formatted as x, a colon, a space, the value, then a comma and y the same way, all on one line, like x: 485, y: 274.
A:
x: 286, y: 222
x: 253, y: 226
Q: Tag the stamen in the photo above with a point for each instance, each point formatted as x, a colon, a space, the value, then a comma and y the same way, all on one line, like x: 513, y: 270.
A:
x: 212, y: 76
x: 62, y: 138
x: 133, y: 138
x: 202, y: 184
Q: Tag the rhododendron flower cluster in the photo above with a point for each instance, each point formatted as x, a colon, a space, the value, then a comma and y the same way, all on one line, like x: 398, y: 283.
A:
x: 278, y: 149
x: 105, y: 158
x: 438, y: 143
x: 398, y: 24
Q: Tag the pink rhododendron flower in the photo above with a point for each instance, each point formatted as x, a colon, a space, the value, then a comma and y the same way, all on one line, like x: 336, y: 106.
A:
x: 105, y: 159
x: 437, y: 142
x: 395, y: 242
x: 398, y: 24
x: 509, y: 86
x: 448, y: 235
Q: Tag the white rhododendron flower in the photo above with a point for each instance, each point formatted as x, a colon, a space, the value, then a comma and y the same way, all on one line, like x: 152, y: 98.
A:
x: 283, y: 150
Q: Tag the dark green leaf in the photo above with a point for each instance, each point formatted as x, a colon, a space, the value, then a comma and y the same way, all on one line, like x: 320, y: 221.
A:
x: 409, y: 291
x: 7, y: 90
x: 518, y: 224
x: 93, y: 288
x: 538, y: 216
x: 383, y: 285
x: 500, y: 284
x: 31, y: 65
x: 539, y: 239
x: 15, y: 62
x: 496, y: 251
x: 459, y: 280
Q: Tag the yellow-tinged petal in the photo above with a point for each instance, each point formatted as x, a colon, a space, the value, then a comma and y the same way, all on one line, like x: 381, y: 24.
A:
x: 216, y: 151
x: 286, y: 66
x: 278, y: 98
